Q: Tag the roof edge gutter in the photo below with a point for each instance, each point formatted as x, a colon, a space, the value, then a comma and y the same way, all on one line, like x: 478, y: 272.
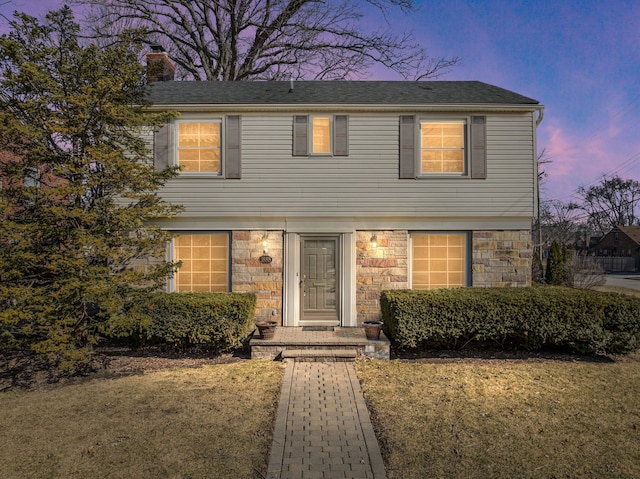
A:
x: 186, y: 107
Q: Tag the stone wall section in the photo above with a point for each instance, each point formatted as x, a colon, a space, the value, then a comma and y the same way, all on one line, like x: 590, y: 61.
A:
x: 147, y: 263
x: 249, y: 275
x: 501, y: 258
x: 380, y: 268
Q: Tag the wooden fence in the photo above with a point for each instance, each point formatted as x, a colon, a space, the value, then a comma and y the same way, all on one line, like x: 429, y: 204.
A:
x: 620, y: 264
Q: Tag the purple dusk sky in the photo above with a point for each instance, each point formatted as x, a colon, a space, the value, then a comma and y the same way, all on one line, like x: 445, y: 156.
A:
x: 579, y: 58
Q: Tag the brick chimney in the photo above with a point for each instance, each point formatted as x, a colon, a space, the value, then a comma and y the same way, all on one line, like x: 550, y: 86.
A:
x: 159, y: 66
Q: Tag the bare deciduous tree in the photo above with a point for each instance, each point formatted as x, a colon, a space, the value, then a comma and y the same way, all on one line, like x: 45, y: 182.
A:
x: 611, y: 203
x: 269, y: 39
x: 560, y: 222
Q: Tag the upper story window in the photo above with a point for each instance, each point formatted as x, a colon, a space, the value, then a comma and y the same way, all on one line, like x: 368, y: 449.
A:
x: 198, y: 146
x: 202, y: 145
x: 321, y: 134
x: 437, y: 147
x: 442, y: 147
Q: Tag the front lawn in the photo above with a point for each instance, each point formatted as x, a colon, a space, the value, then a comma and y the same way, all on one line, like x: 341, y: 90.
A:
x: 536, y: 418
x: 214, y: 421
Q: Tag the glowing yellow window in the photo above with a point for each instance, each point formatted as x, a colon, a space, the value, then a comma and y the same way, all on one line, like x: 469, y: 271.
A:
x: 199, y: 146
x: 442, y: 147
x: 439, y: 260
x: 205, y: 262
x: 321, y: 128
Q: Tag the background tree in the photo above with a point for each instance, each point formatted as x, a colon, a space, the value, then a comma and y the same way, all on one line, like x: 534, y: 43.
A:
x: 77, y: 184
x: 555, y: 272
x: 612, y: 202
x: 269, y: 39
x: 560, y: 222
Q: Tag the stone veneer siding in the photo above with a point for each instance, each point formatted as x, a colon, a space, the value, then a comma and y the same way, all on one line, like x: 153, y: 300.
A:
x: 501, y: 258
x: 248, y: 275
x: 377, y: 269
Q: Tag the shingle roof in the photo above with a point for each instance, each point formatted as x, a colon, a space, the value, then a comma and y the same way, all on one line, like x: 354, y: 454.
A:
x: 334, y: 92
x: 632, y: 232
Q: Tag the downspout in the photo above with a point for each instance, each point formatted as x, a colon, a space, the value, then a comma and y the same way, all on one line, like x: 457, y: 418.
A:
x: 540, y: 111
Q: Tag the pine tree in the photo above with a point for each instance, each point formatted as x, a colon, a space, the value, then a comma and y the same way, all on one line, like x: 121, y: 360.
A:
x: 555, y: 272
x: 78, y: 189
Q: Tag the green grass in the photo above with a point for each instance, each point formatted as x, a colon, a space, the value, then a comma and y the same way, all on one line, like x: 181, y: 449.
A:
x: 506, y: 418
x: 212, y: 422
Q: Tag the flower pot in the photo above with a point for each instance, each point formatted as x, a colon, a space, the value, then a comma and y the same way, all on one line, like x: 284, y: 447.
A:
x: 266, y: 329
x: 372, y: 329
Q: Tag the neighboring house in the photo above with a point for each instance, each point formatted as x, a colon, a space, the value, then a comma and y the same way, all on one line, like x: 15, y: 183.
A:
x: 316, y: 196
x: 619, y: 250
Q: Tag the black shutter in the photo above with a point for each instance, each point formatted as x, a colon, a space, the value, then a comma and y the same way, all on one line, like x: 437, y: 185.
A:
x: 162, y: 146
x: 232, y: 147
x: 341, y: 135
x: 300, y: 132
x: 407, y: 147
x: 478, y: 147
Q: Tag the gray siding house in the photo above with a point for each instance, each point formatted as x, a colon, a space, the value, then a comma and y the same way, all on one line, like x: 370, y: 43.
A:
x: 316, y: 196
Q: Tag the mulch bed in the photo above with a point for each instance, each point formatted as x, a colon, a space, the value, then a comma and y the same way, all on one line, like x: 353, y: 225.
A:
x: 24, y: 370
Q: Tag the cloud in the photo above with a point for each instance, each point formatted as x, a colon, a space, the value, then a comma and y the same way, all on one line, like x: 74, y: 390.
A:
x: 582, y: 153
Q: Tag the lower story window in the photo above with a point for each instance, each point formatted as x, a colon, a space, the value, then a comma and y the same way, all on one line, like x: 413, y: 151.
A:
x: 205, y: 262
x: 439, y: 260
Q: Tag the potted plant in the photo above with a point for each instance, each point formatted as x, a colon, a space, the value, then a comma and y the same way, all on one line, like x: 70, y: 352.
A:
x: 372, y: 329
x: 266, y: 329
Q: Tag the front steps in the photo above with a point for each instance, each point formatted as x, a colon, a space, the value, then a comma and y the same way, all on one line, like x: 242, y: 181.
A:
x: 321, y: 355
x: 309, y: 344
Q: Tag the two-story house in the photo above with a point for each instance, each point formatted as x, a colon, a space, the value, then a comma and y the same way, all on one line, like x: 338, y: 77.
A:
x: 316, y: 196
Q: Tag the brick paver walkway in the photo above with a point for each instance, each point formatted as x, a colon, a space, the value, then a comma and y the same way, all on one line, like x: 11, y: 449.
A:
x: 323, y: 428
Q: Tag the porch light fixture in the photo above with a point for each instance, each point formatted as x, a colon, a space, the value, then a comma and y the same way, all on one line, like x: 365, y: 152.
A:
x: 374, y: 241
x: 265, y: 239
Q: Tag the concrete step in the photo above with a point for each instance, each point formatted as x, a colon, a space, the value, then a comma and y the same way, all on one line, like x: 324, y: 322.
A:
x: 321, y: 355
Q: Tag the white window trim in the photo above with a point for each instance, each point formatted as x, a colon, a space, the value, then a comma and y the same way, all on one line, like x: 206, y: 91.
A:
x: 468, y: 276
x: 193, y: 174
x: 466, y: 173
x: 310, y: 136
x: 171, y: 255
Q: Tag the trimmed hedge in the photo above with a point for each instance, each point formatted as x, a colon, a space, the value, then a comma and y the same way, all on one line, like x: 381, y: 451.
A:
x: 531, y: 318
x: 217, y: 320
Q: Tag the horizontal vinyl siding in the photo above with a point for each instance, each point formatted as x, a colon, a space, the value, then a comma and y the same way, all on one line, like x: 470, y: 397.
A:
x: 365, y: 183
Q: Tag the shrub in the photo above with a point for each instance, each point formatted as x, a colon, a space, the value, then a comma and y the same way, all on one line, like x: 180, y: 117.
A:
x: 530, y: 318
x: 218, y: 320
x: 584, y: 273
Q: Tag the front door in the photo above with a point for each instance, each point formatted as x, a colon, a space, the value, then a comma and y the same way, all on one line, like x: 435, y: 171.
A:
x: 319, y: 285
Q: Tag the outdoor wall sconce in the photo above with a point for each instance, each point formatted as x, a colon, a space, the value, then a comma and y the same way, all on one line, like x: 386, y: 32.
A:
x: 265, y: 243
x: 374, y: 241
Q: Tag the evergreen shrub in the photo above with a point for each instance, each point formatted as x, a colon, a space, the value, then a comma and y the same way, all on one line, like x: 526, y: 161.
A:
x: 530, y: 318
x: 217, y: 320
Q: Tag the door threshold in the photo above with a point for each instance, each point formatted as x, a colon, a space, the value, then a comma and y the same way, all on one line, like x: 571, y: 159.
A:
x: 318, y: 328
